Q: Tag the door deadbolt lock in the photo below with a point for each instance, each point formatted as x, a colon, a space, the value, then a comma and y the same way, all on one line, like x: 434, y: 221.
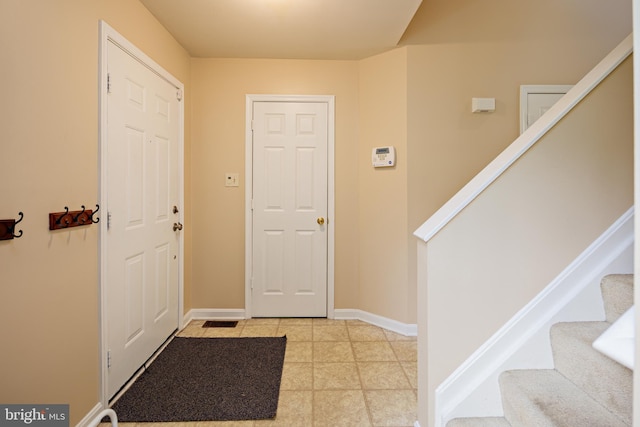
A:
x: 175, y: 210
x: 321, y: 221
x: 177, y: 226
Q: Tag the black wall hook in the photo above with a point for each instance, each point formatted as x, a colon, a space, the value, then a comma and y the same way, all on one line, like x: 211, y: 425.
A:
x: 63, y: 215
x: 13, y: 229
x: 8, y: 227
x: 77, y: 217
x: 96, y: 220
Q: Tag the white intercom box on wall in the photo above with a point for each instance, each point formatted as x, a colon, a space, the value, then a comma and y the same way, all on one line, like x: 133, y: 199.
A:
x: 383, y: 157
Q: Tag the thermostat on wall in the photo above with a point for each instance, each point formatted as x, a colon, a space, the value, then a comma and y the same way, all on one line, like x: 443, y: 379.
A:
x: 383, y: 157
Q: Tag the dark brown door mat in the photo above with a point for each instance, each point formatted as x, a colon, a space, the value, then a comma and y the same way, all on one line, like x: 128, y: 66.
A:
x: 220, y: 324
x: 207, y: 379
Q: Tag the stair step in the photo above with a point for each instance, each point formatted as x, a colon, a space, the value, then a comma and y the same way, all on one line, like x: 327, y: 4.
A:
x: 545, y: 398
x: 617, y: 294
x: 479, y: 422
x: 602, y: 378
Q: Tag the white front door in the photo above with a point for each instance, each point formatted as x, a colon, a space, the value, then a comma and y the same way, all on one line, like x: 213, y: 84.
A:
x: 142, y: 248
x: 290, y: 191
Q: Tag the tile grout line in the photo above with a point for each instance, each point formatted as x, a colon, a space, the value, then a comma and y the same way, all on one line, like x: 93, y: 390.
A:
x: 313, y: 377
x: 362, y: 390
x: 404, y: 371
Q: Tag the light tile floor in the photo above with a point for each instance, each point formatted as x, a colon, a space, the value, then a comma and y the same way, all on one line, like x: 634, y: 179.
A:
x: 336, y: 373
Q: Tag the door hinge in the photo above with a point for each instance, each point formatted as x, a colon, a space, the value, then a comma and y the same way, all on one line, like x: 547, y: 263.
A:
x: 108, y: 220
x: 179, y: 95
x: 108, y: 83
x: 108, y: 358
x: 252, y: 125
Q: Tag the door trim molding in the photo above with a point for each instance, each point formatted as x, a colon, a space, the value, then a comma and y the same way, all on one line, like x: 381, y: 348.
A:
x: 526, y: 90
x: 330, y: 101
x: 107, y: 35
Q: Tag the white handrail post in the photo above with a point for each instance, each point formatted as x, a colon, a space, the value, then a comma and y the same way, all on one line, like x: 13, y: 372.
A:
x: 105, y: 413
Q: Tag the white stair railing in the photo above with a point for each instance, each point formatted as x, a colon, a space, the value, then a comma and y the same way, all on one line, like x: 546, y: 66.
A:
x: 105, y: 413
x: 618, y: 342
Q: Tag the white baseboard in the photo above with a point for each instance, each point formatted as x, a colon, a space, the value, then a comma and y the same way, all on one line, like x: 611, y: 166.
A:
x: 523, y: 342
x: 406, y: 329
x: 339, y: 314
x: 214, y: 314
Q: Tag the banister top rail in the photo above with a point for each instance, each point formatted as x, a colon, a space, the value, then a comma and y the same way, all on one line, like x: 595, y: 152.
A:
x: 527, y: 139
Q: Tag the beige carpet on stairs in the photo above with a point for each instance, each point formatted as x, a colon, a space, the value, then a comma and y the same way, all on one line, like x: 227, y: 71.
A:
x: 586, y: 388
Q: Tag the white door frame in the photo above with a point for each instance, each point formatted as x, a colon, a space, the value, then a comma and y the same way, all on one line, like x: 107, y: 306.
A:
x: 526, y: 90
x: 331, y: 221
x: 108, y: 34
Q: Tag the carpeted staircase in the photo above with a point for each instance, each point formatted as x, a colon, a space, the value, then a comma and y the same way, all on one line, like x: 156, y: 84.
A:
x: 586, y: 388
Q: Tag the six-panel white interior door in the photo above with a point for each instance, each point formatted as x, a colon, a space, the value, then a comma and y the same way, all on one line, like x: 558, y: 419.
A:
x: 142, y: 247
x: 289, y: 216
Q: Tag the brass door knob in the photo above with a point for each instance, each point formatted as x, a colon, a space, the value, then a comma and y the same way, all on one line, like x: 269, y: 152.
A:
x: 320, y: 220
x: 177, y: 226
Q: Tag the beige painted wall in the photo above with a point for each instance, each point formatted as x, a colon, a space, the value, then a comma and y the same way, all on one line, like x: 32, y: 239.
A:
x: 382, y: 218
x: 49, y: 140
x: 543, y: 23
x: 521, y: 232
x: 219, y: 96
x: 370, y: 273
x: 465, y: 49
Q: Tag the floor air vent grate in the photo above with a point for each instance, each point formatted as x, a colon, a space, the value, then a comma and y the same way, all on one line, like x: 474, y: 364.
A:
x: 220, y: 324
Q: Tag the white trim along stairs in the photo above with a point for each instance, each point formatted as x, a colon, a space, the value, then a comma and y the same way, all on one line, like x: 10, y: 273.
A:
x: 585, y: 388
x: 524, y: 342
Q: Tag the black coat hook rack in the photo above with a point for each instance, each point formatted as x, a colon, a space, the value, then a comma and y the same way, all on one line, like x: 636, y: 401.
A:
x: 66, y: 219
x: 8, y: 228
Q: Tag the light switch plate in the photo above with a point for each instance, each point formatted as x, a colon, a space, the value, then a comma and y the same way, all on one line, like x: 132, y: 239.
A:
x: 231, y: 179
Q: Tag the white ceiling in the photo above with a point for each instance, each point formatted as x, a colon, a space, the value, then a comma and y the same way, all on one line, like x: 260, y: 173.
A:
x: 300, y: 29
